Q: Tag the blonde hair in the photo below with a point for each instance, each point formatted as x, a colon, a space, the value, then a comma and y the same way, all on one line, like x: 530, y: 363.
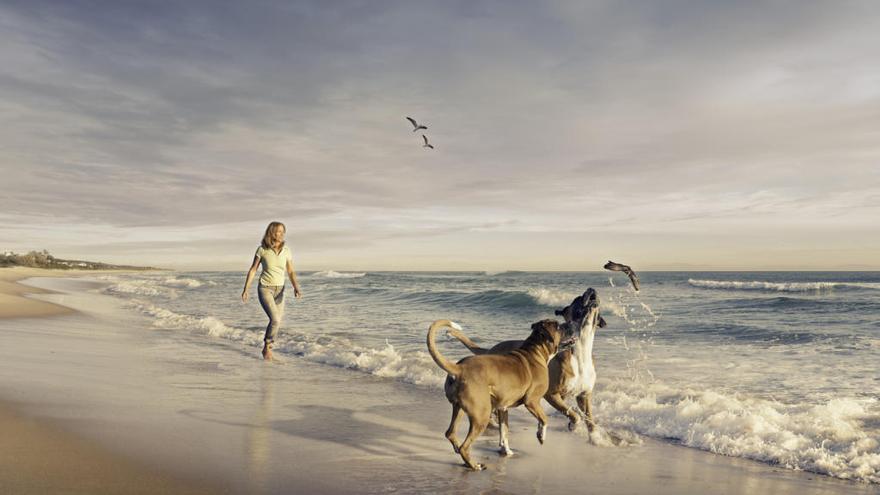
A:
x: 267, y: 237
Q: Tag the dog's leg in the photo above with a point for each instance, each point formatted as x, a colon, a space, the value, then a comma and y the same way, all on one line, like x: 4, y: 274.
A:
x: 537, y: 411
x: 478, y: 425
x: 493, y: 420
x: 559, y: 404
x: 585, y: 403
x: 499, y: 419
x: 504, y: 435
x: 453, y: 425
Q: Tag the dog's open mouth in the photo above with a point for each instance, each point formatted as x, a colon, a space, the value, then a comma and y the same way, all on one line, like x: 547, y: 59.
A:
x: 568, y: 342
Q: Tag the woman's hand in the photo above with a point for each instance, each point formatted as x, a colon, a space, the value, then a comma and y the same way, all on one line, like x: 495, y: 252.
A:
x: 297, y: 293
x: 244, y: 295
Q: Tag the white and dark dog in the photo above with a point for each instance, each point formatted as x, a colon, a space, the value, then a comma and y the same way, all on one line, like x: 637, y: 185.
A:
x: 572, y: 372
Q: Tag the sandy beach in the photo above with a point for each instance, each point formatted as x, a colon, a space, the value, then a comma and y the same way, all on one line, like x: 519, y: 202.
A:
x: 13, y: 304
x: 95, y: 400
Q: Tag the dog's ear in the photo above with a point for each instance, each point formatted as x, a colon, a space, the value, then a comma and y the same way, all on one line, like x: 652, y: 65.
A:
x: 539, y: 331
x: 602, y: 322
x: 549, y: 329
x: 559, y: 312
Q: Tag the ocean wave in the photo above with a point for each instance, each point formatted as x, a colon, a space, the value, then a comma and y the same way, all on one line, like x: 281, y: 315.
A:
x: 152, y: 285
x: 550, y: 297
x: 495, y: 299
x: 776, y: 303
x: 142, y: 287
x: 411, y: 367
x: 780, y: 286
x: 759, y: 334
x: 333, y: 274
x: 209, y: 325
x: 189, y: 283
x: 828, y: 438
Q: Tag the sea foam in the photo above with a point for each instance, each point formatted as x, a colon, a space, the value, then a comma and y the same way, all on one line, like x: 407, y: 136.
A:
x: 779, y: 286
x: 411, y: 367
x: 333, y: 274
x: 550, y: 297
x: 824, y: 438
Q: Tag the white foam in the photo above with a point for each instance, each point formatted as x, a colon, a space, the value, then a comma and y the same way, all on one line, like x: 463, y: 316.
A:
x: 151, y: 286
x: 333, y: 274
x: 412, y: 367
x: 826, y: 438
x: 189, y: 283
x: 164, y: 318
x: 779, y: 286
x: 141, y: 287
x: 550, y: 297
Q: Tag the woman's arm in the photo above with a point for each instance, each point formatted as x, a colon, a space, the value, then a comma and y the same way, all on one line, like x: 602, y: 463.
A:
x: 290, y: 273
x: 250, y: 278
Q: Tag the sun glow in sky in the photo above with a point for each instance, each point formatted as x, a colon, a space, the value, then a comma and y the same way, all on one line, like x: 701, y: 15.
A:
x: 666, y: 135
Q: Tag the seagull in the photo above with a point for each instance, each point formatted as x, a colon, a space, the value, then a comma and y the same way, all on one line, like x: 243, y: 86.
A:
x: 617, y: 267
x: 426, y: 145
x: 416, y: 125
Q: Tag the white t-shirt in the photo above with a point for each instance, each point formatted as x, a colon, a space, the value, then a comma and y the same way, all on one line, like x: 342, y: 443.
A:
x: 274, y: 265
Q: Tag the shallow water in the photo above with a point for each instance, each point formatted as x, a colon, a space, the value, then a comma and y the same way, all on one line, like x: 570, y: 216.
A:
x: 779, y: 367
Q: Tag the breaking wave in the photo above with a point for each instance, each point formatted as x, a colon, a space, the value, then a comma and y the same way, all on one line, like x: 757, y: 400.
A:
x: 780, y: 286
x: 411, y: 367
x: 827, y: 438
x: 333, y: 274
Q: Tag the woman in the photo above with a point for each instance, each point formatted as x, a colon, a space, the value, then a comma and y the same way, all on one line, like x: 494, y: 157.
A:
x: 275, y: 257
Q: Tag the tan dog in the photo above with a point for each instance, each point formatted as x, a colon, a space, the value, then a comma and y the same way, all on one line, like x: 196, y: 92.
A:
x: 481, y: 385
x: 572, y: 371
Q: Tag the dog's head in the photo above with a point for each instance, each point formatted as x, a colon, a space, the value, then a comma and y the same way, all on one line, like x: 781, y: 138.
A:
x: 551, y: 335
x: 583, y: 313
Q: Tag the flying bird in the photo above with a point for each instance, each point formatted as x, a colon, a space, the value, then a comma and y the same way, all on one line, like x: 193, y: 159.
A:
x: 617, y: 267
x: 416, y: 125
x: 426, y: 145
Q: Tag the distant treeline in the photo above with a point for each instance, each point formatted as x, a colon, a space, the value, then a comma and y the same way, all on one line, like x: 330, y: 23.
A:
x: 42, y: 259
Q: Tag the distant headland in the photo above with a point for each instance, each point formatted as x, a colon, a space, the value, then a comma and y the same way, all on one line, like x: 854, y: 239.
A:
x: 42, y: 259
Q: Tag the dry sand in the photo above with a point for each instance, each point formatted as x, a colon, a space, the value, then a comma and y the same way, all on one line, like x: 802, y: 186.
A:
x: 113, y: 404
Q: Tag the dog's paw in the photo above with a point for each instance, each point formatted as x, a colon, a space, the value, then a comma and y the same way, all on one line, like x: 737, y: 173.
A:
x: 478, y: 467
x: 572, y: 425
x: 542, y: 432
x: 505, y: 452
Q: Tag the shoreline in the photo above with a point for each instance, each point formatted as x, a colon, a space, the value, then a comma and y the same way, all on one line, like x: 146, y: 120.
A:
x: 14, y: 296
x: 14, y: 300
x: 180, y: 409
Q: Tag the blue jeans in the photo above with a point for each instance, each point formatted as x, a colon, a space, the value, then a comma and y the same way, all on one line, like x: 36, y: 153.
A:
x: 272, y: 300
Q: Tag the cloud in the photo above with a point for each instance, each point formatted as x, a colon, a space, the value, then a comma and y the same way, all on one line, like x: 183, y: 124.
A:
x: 563, y: 116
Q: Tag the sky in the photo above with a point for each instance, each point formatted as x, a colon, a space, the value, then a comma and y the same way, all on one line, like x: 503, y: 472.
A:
x: 674, y: 135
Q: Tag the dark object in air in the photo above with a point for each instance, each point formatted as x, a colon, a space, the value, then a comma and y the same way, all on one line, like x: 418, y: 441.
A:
x: 617, y: 267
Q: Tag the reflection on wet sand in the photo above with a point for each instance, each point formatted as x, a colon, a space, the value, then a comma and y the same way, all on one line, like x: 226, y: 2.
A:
x: 258, y: 444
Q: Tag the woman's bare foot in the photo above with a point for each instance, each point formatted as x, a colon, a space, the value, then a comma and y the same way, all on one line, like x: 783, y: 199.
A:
x: 267, y: 352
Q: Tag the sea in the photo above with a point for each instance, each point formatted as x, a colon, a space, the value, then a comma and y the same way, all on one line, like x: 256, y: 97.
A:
x: 778, y: 367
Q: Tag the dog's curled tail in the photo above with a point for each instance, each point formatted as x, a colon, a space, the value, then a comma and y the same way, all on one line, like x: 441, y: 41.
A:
x: 464, y: 339
x: 447, y: 365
